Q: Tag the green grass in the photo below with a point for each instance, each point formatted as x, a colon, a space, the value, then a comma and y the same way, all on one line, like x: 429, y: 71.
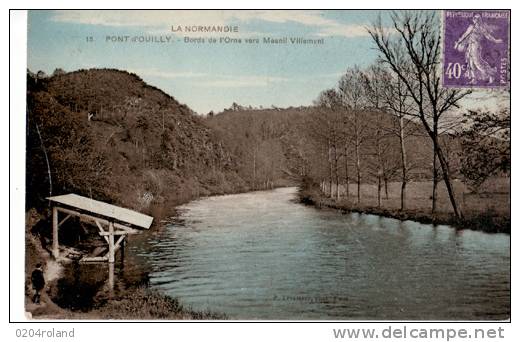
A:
x: 145, y: 304
x: 487, y: 211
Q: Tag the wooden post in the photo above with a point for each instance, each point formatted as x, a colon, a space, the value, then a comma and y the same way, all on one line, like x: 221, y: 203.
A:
x: 111, y: 276
x: 123, y: 245
x: 55, y: 242
x: 111, y: 256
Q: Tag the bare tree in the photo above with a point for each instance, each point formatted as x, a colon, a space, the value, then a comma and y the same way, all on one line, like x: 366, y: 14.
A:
x: 327, y: 125
x: 352, y: 93
x: 396, y: 101
x: 374, y: 79
x: 413, y: 54
x: 346, y: 153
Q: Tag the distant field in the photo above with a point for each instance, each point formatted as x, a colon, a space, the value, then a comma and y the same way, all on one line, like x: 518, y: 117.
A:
x: 493, y: 195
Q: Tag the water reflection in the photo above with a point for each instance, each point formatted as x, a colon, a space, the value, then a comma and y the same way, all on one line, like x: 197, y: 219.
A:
x: 260, y: 255
x: 87, y: 285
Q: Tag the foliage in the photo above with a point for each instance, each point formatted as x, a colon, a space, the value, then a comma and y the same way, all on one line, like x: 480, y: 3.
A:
x: 266, y: 144
x: 109, y: 135
x: 143, y: 303
x: 486, y: 147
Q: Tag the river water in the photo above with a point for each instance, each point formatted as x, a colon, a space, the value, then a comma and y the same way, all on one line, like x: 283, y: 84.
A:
x: 261, y: 255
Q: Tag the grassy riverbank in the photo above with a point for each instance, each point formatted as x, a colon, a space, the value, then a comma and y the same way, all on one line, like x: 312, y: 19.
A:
x: 489, y: 213
x: 138, y: 302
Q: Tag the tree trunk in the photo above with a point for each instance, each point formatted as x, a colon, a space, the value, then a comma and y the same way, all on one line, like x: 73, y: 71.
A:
x: 337, y: 187
x: 447, y: 180
x: 330, y: 172
x: 380, y: 170
x: 379, y: 191
x: 403, y: 195
x: 403, y: 163
x: 438, y: 155
x: 435, y: 181
x: 347, y: 180
x: 358, y: 170
x: 46, y: 160
x: 254, y: 167
x: 358, y: 185
x: 336, y: 171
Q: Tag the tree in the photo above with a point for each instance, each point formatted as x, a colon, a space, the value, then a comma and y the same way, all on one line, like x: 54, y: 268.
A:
x: 235, y: 107
x: 41, y: 75
x: 396, y: 101
x: 413, y: 55
x: 374, y: 82
x: 352, y: 94
x: 486, y: 146
x: 328, y: 128
x: 58, y: 72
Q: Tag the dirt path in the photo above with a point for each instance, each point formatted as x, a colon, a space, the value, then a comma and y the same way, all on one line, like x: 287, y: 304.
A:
x: 34, y: 254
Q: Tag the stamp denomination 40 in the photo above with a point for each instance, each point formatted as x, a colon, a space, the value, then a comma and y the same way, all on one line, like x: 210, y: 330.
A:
x: 476, y: 48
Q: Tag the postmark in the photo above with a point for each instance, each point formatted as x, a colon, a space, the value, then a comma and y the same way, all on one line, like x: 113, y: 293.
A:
x: 476, y: 48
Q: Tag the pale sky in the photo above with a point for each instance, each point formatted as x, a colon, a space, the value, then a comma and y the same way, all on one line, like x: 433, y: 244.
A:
x: 210, y: 76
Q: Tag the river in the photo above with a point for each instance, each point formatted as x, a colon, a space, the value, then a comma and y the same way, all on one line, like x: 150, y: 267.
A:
x: 261, y: 255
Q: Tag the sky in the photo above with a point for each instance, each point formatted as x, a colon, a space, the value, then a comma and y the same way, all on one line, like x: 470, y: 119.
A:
x: 209, y: 76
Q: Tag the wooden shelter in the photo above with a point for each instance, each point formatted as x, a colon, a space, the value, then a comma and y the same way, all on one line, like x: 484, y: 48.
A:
x: 112, y: 221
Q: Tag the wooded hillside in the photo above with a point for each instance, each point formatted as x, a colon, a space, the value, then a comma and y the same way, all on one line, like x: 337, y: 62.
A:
x: 109, y: 135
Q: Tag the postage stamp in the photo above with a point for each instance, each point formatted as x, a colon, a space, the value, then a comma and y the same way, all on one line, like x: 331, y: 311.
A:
x: 476, y: 48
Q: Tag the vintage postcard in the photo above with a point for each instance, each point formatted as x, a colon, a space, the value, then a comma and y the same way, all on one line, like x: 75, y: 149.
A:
x: 350, y: 165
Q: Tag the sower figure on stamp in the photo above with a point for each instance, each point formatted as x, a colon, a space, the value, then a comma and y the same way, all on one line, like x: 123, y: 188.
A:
x: 38, y: 282
x: 471, y: 44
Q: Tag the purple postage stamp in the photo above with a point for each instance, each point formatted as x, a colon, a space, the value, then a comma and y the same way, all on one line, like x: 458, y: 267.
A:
x: 476, y: 48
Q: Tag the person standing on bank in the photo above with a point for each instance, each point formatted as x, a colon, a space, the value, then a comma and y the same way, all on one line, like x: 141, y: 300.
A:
x: 38, y: 282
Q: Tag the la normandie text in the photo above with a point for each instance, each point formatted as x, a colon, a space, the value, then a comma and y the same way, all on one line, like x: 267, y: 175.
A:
x: 205, y: 28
